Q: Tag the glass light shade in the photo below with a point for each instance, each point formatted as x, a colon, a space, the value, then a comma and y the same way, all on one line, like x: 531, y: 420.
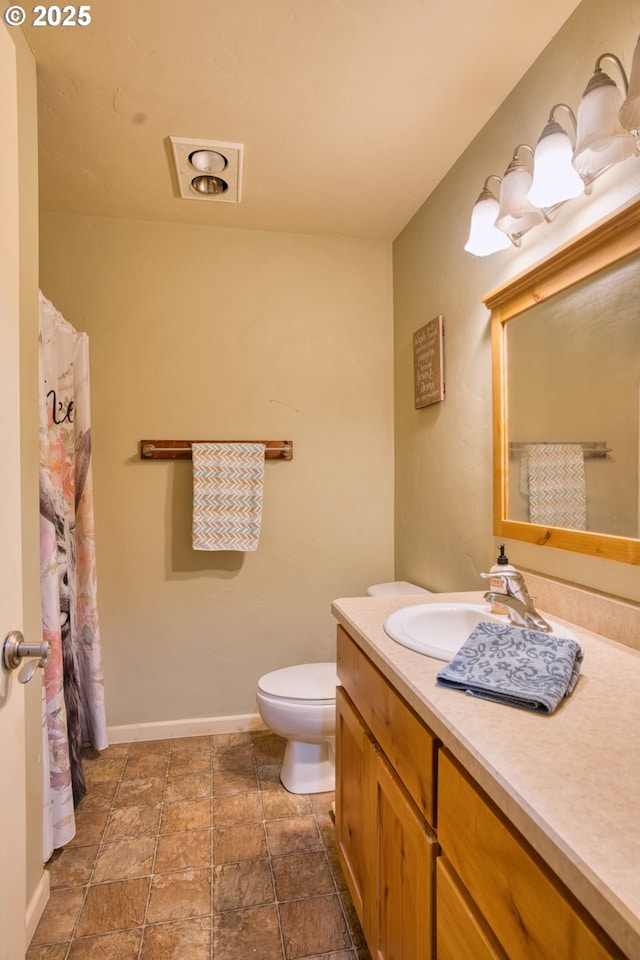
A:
x: 555, y: 179
x: 601, y: 138
x: 207, y: 161
x: 484, y: 237
x: 630, y: 109
x: 516, y: 213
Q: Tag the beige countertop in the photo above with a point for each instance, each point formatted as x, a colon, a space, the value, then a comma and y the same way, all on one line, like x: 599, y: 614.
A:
x: 569, y: 781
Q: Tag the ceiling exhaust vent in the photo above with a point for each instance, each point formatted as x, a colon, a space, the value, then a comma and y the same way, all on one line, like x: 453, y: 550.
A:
x: 208, y: 169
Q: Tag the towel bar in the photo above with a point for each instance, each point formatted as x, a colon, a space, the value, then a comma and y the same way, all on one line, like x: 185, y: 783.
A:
x: 593, y: 449
x: 181, y: 449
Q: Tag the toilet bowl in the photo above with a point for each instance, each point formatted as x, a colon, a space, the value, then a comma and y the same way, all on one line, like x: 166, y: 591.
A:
x: 299, y: 704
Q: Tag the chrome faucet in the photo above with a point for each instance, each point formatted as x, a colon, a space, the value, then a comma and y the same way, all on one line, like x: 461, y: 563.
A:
x: 520, y: 606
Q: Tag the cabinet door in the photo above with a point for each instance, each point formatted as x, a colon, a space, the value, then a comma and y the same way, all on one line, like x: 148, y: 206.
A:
x: 461, y: 933
x: 354, y: 749
x: 531, y: 914
x: 400, y: 906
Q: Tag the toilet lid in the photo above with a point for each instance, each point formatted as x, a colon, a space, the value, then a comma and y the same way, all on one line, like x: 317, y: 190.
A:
x: 306, y: 681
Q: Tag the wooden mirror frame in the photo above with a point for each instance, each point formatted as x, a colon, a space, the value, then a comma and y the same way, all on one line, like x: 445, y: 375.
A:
x: 601, y: 246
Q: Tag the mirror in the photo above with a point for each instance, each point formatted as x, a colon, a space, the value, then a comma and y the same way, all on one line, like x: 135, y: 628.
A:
x: 566, y: 395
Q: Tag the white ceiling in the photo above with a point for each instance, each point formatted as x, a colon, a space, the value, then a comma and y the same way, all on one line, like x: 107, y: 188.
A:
x: 350, y: 111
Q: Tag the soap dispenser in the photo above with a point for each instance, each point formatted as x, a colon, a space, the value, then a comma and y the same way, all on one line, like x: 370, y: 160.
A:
x: 501, y: 565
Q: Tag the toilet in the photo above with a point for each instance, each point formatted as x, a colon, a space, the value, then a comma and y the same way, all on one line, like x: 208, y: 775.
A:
x: 299, y: 704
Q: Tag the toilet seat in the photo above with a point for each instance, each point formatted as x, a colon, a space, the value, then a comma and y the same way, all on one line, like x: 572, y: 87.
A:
x: 312, y: 683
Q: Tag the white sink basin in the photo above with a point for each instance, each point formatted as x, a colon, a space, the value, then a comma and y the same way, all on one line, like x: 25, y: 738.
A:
x: 439, y: 629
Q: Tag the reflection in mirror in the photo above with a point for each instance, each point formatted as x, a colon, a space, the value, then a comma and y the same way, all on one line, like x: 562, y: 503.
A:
x: 566, y: 395
x: 574, y: 397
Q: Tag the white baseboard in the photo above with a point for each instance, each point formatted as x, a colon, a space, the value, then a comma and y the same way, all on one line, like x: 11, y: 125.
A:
x: 194, y: 727
x: 36, y: 905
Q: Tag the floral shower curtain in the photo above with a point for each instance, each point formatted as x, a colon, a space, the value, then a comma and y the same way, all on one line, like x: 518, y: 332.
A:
x: 73, y: 684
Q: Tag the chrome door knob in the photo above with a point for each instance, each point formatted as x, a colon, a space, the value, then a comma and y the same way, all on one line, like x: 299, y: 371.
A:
x: 15, y: 650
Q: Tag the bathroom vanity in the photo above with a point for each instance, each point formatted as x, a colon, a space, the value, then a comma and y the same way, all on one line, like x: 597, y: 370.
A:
x: 469, y: 829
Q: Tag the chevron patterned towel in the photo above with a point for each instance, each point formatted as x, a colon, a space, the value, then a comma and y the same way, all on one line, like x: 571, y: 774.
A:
x: 556, y: 483
x: 227, y: 495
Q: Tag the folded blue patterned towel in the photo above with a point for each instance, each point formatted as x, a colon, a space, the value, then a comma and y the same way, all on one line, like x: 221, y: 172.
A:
x: 516, y: 666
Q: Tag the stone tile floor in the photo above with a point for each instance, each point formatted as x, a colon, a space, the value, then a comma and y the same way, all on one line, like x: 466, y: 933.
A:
x: 192, y: 849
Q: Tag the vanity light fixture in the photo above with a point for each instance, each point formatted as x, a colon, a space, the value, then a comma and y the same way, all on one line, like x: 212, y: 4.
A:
x: 208, y: 169
x: 484, y: 236
x: 517, y: 214
x: 601, y: 138
x: 555, y: 179
x: 606, y: 131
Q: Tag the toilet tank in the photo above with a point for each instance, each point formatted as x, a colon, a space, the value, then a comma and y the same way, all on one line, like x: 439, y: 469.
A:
x: 394, y: 588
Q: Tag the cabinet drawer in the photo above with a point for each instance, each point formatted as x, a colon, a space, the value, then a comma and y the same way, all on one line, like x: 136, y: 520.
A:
x: 407, y: 743
x: 532, y: 915
x: 461, y: 931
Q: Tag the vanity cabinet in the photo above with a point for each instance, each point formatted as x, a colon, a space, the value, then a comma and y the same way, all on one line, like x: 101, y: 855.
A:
x: 386, y: 846
x: 472, y: 889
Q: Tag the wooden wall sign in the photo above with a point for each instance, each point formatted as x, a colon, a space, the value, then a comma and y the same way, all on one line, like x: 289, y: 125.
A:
x: 428, y: 363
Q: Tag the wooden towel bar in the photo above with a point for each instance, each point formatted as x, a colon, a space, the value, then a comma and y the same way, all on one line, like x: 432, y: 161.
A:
x: 181, y: 449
